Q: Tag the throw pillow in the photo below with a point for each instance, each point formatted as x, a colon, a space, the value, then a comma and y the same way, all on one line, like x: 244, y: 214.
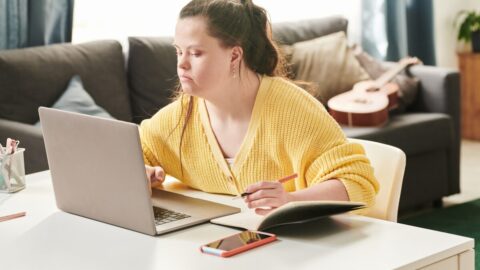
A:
x: 76, y: 99
x: 37, y: 76
x: 328, y: 63
x: 152, y: 74
x: 408, y: 86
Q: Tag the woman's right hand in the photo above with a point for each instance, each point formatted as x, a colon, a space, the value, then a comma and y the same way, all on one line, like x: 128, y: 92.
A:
x: 155, y: 175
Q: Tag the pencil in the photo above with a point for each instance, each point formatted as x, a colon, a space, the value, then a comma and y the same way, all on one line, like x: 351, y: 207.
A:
x: 287, y: 178
x: 281, y: 180
x: 12, y: 216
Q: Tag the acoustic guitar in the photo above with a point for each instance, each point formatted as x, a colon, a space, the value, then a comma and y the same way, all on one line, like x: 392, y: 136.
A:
x: 368, y: 103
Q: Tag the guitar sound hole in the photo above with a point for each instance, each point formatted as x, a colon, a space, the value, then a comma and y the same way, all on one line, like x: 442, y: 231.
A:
x: 373, y: 89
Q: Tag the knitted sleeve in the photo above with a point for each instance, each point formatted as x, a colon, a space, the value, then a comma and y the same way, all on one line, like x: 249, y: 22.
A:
x: 159, y: 135
x: 317, y: 142
x: 346, y: 162
x: 146, y: 141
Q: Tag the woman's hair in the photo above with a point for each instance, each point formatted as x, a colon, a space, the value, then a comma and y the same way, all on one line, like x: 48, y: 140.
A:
x: 240, y: 23
x: 236, y: 23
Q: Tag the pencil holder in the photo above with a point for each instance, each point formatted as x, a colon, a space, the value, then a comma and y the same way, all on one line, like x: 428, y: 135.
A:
x: 12, y: 171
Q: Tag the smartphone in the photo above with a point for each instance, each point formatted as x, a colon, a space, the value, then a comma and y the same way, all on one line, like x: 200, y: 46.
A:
x: 237, y: 243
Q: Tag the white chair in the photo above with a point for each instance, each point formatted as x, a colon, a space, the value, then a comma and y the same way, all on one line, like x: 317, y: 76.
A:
x: 388, y: 163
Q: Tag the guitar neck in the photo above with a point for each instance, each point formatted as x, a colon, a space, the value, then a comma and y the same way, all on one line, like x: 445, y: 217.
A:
x: 390, y: 74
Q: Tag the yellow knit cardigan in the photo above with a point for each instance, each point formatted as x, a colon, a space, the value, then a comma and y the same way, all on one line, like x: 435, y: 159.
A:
x: 289, y: 132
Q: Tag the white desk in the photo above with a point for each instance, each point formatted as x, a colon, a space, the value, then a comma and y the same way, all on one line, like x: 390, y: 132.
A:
x: 50, y: 239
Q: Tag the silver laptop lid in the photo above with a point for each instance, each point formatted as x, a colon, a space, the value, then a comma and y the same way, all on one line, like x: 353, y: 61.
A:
x: 97, y: 169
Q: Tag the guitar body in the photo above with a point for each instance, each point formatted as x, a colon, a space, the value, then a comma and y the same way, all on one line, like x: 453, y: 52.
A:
x: 389, y: 89
x: 354, y: 108
x: 368, y: 103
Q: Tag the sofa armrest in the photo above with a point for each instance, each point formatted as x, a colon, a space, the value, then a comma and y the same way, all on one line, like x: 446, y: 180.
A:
x: 440, y: 92
x: 31, y: 139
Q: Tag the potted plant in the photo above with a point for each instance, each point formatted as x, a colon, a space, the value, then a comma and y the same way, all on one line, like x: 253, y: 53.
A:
x: 469, y: 29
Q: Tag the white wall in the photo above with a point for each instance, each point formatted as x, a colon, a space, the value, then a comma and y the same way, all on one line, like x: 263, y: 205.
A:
x: 306, y: 9
x: 118, y: 19
x: 445, y: 32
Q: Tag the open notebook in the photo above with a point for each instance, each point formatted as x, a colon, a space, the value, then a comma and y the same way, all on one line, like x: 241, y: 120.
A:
x: 290, y: 213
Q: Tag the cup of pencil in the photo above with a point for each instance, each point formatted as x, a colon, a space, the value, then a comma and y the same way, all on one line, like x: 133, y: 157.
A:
x: 12, y: 168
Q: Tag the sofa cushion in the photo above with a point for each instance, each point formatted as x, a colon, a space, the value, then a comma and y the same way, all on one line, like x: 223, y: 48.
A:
x: 76, y: 99
x: 414, y: 133
x: 34, y: 77
x: 152, y: 74
x: 292, y: 32
x: 328, y: 63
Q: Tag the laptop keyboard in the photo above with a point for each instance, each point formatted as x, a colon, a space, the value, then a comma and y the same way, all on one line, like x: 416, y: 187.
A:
x: 163, y: 216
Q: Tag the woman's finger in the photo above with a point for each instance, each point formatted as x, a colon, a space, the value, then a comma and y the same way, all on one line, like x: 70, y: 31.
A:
x: 157, y: 178
x: 262, y: 194
x: 159, y: 174
x: 262, y: 185
x: 155, y: 175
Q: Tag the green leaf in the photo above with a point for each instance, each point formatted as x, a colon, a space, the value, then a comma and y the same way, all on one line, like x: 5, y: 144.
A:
x: 469, y: 22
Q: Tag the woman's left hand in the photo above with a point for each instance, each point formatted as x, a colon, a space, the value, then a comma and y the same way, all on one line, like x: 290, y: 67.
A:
x: 266, y: 196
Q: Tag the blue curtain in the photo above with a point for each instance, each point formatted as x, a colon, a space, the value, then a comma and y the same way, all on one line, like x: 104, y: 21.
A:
x: 393, y: 29
x: 26, y: 23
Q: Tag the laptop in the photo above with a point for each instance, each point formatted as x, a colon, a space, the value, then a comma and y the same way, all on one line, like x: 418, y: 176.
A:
x: 98, y: 172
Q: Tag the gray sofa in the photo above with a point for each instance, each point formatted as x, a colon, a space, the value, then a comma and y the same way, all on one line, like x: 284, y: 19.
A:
x: 428, y: 131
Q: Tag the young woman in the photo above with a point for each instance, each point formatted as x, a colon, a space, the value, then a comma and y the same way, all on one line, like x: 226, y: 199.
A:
x: 238, y: 124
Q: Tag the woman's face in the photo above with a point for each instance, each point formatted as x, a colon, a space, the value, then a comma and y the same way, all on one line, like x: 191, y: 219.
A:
x: 203, y: 65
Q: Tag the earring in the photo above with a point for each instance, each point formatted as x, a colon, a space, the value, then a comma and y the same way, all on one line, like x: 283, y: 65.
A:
x: 234, y: 71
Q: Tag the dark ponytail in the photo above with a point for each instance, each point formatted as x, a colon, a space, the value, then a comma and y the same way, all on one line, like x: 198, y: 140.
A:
x: 241, y: 23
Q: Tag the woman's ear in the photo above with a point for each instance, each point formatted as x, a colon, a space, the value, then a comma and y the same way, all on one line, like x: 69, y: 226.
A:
x: 237, y: 54
x: 236, y: 60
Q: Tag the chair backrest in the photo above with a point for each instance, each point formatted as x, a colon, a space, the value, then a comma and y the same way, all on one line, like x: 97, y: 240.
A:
x: 388, y: 163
